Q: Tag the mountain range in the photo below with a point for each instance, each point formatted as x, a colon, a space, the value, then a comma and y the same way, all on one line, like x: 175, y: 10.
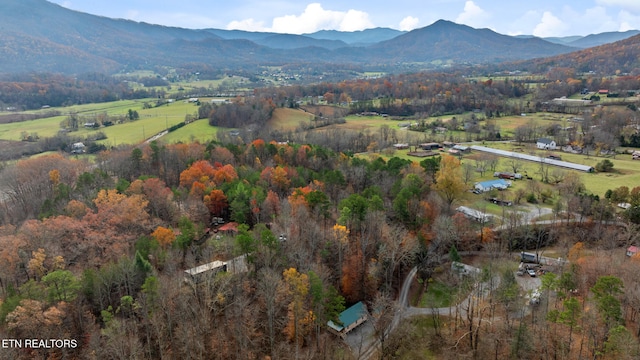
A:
x: 37, y: 35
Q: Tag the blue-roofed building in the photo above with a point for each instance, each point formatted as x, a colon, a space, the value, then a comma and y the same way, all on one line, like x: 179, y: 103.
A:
x: 349, y: 319
x: 484, y: 186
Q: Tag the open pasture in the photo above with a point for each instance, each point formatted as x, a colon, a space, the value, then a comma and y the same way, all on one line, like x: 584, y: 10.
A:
x: 199, y: 130
x: 151, y: 121
x: 285, y: 119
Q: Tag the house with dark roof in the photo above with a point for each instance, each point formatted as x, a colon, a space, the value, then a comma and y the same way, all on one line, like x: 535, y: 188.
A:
x: 546, y: 144
x: 349, y: 319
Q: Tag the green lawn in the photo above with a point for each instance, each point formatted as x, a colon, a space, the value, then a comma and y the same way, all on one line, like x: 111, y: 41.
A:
x: 438, y: 295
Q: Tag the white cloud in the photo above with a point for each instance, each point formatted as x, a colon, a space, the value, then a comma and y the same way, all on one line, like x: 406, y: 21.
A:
x: 628, y: 21
x: 629, y: 5
x: 473, y: 15
x: 247, y: 25
x: 312, y: 19
x: 549, y: 25
x: 132, y: 15
x: 409, y: 23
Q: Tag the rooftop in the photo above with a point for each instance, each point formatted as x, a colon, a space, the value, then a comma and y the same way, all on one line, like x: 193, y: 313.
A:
x: 349, y: 316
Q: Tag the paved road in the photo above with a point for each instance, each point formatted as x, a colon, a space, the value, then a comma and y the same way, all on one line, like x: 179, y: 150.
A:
x: 366, y: 345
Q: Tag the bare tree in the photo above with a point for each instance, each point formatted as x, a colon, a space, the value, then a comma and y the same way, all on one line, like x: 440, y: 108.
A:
x: 468, y: 173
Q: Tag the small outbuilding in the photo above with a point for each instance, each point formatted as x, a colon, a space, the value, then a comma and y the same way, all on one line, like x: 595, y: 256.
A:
x: 430, y: 146
x: 78, y: 148
x: 349, y: 319
x: 200, y: 273
x: 474, y: 214
x: 464, y: 269
x: 632, y: 250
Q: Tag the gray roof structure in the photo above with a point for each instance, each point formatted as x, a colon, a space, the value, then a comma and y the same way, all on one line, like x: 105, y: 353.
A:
x: 560, y: 163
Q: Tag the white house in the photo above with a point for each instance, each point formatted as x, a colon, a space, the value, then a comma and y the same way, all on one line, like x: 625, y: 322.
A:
x: 546, y: 144
x: 77, y: 148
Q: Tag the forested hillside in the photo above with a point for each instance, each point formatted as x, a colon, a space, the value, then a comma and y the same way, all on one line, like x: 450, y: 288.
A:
x: 299, y: 222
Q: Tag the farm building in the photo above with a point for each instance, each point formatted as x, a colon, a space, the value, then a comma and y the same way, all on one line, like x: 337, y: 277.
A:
x: 570, y: 102
x: 546, y: 144
x: 349, y: 319
x: 430, y: 146
x: 632, y: 250
x: 401, y: 146
x: 461, y: 148
x: 499, y: 184
x: 564, y: 164
x: 474, y: 214
x: 200, y: 273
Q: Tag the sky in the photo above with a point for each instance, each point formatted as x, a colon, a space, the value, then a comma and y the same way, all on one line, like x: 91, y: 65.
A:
x: 543, y: 18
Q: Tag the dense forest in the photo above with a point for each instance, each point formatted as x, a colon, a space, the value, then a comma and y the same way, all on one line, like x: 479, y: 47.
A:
x: 96, y: 253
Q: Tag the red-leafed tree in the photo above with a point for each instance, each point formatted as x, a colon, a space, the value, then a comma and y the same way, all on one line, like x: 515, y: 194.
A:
x: 216, y: 202
x: 225, y: 173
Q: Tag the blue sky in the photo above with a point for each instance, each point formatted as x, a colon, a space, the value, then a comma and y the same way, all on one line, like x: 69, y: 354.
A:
x: 541, y: 18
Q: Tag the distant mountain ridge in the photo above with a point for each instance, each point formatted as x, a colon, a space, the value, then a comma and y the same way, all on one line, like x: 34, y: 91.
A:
x: 37, y: 35
x: 464, y: 44
x: 620, y: 57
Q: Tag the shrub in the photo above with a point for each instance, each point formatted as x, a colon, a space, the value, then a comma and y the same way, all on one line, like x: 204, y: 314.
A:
x: 604, y: 166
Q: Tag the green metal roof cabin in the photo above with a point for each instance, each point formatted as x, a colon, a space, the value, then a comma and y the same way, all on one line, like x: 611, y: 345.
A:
x: 350, y: 319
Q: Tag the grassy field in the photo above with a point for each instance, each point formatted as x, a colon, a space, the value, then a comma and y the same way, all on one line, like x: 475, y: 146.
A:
x: 286, y: 119
x: 199, y: 130
x: 151, y: 121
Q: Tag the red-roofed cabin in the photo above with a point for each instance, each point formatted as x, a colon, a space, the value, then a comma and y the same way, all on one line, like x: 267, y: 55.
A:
x: 229, y: 228
x: 632, y: 250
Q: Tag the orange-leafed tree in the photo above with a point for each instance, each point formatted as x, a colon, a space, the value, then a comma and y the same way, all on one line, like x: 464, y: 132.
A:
x: 225, y: 173
x: 36, y: 264
x: 201, y: 171
x: 11, y: 245
x: 280, y: 179
x: 449, y: 181
x: 164, y: 236
x: 300, y: 318
x: 487, y: 235
x: 576, y: 252
x: 76, y: 209
x: 32, y: 319
x: 217, y: 202
x: 298, y: 198
x: 352, y: 274
x: 124, y: 212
